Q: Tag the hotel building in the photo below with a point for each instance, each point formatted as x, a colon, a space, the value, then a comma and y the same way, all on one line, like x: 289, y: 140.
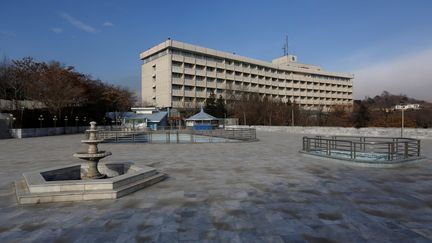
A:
x: 180, y: 75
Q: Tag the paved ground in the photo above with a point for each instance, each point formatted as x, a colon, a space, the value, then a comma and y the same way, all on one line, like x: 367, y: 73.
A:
x: 248, y: 192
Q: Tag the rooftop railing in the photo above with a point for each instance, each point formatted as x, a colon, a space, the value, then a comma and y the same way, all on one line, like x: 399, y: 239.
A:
x: 179, y: 136
x: 369, y: 149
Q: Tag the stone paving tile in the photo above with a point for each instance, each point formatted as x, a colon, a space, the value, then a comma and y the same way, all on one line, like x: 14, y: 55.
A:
x: 245, y: 192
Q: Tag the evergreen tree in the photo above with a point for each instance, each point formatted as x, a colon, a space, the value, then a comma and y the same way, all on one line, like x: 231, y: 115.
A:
x: 362, y: 116
x: 220, y: 107
x: 210, y: 105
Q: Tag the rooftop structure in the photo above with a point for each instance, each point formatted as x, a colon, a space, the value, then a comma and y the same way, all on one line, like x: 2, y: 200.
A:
x: 180, y: 75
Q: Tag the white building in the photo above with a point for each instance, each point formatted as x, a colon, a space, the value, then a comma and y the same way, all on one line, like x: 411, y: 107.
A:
x: 180, y: 75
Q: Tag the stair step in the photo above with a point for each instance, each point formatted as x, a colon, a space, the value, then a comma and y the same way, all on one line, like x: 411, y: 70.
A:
x: 148, y: 181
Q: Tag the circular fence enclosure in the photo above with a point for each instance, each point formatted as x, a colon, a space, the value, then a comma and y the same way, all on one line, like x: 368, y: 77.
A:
x: 365, y: 150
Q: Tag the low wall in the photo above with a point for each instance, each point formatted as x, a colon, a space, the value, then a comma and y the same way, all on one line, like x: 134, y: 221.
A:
x: 419, y: 133
x: 49, y: 131
x: 46, y: 131
x: 4, y: 128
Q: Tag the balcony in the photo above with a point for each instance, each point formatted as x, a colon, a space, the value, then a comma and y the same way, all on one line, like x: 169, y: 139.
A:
x: 177, y: 58
x: 201, y: 62
x: 220, y: 75
x: 189, y: 59
x: 189, y: 93
x: 189, y: 82
x: 176, y: 92
x: 211, y: 84
x: 201, y: 94
x: 254, y: 71
x: 200, y: 72
x: 211, y: 64
x: 220, y: 65
x: 200, y: 83
x: 177, y: 81
x: 230, y: 76
x: 211, y: 74
x: 189, y: 71
x: 177, y: 103
x: 229, y: 66
x: 176, y: 69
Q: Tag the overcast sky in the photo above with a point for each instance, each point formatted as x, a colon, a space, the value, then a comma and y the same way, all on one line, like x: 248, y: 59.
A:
x: 386, y: 44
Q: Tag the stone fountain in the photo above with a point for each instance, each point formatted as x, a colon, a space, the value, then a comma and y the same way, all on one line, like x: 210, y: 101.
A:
x: 93, y: 155
x: 78, y: 182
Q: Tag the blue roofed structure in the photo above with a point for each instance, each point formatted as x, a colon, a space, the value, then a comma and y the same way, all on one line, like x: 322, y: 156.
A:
x: 202, y: 121
x: 152, y: 119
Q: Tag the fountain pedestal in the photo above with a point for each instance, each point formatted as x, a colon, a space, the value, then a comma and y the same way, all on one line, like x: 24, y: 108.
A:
x: 93, y: 155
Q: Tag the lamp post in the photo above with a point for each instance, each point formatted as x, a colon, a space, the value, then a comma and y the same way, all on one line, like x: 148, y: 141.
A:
x: 11, y: 120
x: 386, y: 116
x: 403, y: 108
x: 292, y: 111
x: 66, y: 120
x: 41, y: 118
x: 76, y: 123
x: 55, y: 121
x: 22, y: 115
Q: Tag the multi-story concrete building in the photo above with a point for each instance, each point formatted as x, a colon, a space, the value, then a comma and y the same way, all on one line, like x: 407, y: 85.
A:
x: 180, y: 75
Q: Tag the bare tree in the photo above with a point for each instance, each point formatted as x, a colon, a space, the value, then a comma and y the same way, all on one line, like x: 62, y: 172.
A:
x: 58, y: 87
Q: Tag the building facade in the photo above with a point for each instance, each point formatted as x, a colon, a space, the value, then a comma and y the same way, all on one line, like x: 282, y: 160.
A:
x: 180, y: 75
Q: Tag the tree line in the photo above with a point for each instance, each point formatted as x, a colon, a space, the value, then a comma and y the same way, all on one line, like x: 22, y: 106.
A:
x: 59, y: 91
x: 251, y: 109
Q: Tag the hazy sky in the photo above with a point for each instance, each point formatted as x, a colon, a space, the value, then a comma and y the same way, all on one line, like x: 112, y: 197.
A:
x: 386, y: 44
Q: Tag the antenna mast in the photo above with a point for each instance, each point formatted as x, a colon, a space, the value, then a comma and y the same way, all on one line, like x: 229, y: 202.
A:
x: 285, y: 47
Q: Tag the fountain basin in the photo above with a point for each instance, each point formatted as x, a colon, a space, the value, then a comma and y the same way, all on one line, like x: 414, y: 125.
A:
x: 99, y: 155
x: 65, y: 183
x: 92, y: 141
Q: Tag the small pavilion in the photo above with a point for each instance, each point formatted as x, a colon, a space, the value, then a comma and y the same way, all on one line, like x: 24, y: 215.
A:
x: 202, y: 121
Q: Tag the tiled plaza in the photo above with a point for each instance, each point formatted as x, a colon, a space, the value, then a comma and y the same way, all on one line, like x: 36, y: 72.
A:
x: 262, y: 191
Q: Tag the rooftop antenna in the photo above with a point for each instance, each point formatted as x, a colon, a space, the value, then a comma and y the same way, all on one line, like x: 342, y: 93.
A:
x: 285, y: 47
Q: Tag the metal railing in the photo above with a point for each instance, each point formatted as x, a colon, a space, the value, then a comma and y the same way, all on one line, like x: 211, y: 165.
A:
x: 363, y: 148
x: 245, y: 134
x: 179, y: 136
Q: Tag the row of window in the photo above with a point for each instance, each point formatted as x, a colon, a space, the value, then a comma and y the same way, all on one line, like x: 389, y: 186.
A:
x: 314, y: 91
x: 255, y: 78
x: 156, y: 56
x: 228, y: 63
x: 195, y: 55
x: 191, y: 78
x: 300, y: 99
x: 251, y: 67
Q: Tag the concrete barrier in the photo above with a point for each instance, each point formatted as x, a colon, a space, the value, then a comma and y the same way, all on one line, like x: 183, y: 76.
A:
x: 419, y: 133
x: 49, y: 131
x: 4, y: 126
x: 46, y: 131
x: 4, y: 129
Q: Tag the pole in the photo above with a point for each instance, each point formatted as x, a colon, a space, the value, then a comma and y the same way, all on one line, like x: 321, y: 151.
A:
x: 402, y: 122
x: 292, y: 115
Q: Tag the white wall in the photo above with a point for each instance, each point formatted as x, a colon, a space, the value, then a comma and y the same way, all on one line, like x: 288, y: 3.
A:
x: 419, y: 133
